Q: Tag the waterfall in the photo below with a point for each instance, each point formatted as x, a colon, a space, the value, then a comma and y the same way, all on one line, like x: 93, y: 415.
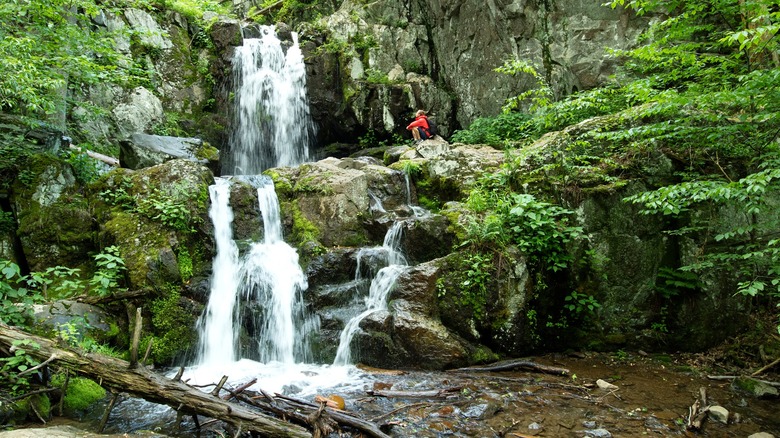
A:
x: 272, y: 124
x: 216, y: 324
x: 272, y: 127
x: 381, y: 285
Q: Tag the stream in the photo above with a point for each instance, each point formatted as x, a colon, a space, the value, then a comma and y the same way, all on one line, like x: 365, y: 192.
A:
x: 652, y: 399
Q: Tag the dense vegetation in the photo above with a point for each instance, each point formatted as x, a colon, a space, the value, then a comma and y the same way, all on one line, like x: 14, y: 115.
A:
x: 703, y: 90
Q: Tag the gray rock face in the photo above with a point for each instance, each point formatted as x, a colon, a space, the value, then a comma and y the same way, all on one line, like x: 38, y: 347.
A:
x: 74, y: 318
x: 143, y: 150
x: 138, y: 113
x: 147, y: 29
x: 441, y: 56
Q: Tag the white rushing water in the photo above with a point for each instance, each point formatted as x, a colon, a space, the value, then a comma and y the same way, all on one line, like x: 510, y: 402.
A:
x: 272, y: 124
x: 268, y: 283
x: 272, y: 279
x: 217, y: 324
x: 381, y: 285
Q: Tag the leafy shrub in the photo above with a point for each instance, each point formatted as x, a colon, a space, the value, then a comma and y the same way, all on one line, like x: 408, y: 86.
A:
x: 16, y: 301
x: 18, y: 362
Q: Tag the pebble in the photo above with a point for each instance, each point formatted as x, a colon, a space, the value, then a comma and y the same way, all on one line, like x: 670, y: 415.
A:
x: 589, y: 424
x: 598, y: 433
x: 762, y: 435
x: 534, y: 426
x: 603, y: 384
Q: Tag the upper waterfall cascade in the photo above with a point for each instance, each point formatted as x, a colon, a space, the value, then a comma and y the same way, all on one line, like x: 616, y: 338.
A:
x: 272, y: 125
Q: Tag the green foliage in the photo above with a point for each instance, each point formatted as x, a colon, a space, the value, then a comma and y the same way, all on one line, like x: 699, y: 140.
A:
x: 673, y: 283
x: 581, y: 305
x: 477, y: 273
x: 85, y: 169
x: 411, y: 168
x: 170, y: 210
x: 173, y: 326
x: 193, y: 9
x: 18, y: 362
x: 496, y: 131
x: 109, y: 273
x: 7, y: 222
x: 374, y: 76
x: 185, y: 263
x: 16, y: 301
x: 539, y: 96
x: 120, y: 195
x: 170, y: 207
x: 44, y: 45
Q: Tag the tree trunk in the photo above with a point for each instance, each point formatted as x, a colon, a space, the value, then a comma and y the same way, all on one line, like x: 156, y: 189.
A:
x: 141, y: 382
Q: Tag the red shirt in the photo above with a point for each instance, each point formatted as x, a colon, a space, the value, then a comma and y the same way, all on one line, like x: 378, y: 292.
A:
x: 421, y: 121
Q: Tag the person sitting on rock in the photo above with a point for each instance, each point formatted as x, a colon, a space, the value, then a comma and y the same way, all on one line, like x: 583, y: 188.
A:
x: 419, y: 127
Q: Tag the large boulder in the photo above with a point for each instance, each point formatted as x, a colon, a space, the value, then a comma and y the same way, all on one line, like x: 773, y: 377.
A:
x: 157, y: 216
x: 71, y: 321
x: 143, y: 150
x: 139, y: 112
x: 55, y: 224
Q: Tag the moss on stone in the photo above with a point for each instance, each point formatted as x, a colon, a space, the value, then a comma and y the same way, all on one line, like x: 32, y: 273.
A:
x: 81, y: 392
x: 483, y: 354
x: 303, y: 230
x: 207, y: 152
x: 185, y: 263
x: 173, y: 327
x: 282, y: 184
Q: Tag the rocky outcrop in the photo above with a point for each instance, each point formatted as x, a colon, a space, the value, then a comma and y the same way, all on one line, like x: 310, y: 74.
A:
x: 170, y: 60
x: 441, y: 56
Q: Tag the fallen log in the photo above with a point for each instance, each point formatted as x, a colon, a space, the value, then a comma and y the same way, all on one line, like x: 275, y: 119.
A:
x: 517, y: 365
x: 777, y: 361
x: 697, y: 413
x: 111, y: 161
x: 141, y: 382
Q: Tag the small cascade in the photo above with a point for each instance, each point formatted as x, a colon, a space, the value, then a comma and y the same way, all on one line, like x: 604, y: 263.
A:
x: 272, y: 279
x: 272, y: 123
x: 217, y: 324
x: 381, y: 285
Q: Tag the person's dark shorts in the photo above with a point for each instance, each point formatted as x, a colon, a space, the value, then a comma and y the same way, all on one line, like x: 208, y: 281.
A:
x: 423, y: 134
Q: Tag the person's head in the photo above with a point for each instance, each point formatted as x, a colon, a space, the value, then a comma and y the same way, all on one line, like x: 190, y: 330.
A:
x: 419, y: 113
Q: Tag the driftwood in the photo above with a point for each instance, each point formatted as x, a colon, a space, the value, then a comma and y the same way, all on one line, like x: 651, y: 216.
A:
x: 436, y: 393
x: 111, y: 161
x: 141, y: 382
x: 768, y: 382
x: 777, y: 361
x: 698, y: 411
x: 94, y: 299
x: 341, y: 417
x: 517, y: 365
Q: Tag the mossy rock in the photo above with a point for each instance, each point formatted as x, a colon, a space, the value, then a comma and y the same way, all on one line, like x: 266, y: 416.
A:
x: 754, y: 387
x: 80, y: 394
x: 55, y: 225
x: 173, y: 327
